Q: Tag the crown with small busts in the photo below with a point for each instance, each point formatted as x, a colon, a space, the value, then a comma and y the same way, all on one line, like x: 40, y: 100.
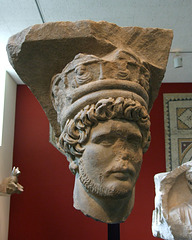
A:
x: 68, y: 65
x: 88, y: 78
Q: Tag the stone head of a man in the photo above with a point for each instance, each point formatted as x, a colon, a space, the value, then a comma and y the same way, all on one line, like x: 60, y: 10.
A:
x: 102, y: 106
x: 97, y: 83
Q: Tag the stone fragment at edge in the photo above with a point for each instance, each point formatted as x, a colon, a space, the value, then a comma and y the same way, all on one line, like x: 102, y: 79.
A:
x: 172, y: 217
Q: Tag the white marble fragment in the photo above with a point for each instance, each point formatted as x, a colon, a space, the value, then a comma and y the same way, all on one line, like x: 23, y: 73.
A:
x: 172, y: 217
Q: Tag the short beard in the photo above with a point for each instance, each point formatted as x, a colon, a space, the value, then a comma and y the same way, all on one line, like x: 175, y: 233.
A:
x: 97, y: 189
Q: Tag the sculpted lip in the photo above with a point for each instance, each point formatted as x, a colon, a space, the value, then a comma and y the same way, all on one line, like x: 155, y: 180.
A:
x: 122, y: 173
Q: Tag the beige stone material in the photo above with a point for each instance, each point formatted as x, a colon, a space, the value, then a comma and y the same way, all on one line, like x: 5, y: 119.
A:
x: 10, y: 184
x: 96, y: 82
x: 172, y: 217
x: 43, y: 50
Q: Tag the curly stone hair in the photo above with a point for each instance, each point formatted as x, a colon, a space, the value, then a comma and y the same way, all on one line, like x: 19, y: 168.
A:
x: 76, y: 131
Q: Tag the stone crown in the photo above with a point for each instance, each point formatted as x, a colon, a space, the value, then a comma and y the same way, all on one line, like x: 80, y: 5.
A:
x: 88, y: 68
x: 88, y: 78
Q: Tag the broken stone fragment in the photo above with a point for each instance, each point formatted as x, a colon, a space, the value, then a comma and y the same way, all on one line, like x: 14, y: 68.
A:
x: 172, y: 217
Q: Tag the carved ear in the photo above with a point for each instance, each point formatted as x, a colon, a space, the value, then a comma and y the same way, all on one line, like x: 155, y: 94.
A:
x: 73, y: 167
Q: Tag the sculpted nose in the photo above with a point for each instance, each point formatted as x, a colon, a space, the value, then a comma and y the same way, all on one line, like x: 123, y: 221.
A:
x: 121, y: 151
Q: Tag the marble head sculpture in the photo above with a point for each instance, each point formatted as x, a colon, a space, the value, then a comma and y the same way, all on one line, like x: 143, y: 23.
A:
x: 96, y: 82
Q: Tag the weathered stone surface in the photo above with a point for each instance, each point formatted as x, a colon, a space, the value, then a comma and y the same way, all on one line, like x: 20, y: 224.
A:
x: 10, y: 184
x: 97, y: 83
x: 43, y: 50
x: 172, y: 217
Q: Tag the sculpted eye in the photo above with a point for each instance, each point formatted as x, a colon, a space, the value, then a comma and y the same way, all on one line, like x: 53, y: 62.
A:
x: 134, y: 139
x: 105, y: 140
x: 108, y: 142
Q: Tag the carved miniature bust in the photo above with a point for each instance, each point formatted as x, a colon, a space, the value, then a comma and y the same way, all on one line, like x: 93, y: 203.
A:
x: 97, y: 85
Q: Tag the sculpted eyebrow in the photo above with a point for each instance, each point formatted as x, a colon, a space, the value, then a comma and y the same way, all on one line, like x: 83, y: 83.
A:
x: 100, y: 136
x: 134, y: 135
x: 127, y: 134
x: 115, y: 134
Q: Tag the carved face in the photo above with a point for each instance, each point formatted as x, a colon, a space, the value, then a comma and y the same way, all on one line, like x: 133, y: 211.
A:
x: 111, y: 161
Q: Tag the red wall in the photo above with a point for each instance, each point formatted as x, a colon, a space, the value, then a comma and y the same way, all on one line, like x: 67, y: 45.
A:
x: 44, y: 211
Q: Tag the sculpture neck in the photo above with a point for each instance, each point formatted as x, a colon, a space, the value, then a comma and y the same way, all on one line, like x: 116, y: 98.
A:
x: 102, y: 209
